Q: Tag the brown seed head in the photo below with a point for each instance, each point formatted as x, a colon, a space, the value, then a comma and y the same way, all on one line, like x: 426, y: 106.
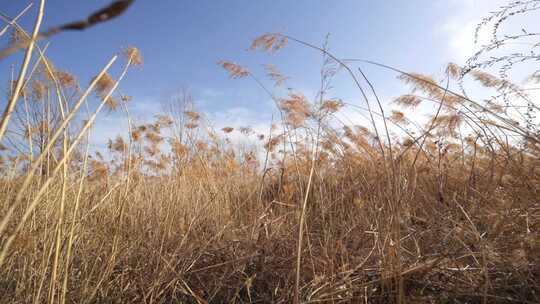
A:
x: 66, y: 79
x: 453, y: 70
x: 227, y: 130
x: 235, y: 71
x: 132, y: 53
x: 398, y: 117
x: 194, y: 116
x: 269, y: 42
x: 408, y: 100
x: 297, y: 109
x: 331, y: 106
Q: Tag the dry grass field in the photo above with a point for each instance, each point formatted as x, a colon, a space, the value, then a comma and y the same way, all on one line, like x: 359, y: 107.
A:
x: 445, y: 210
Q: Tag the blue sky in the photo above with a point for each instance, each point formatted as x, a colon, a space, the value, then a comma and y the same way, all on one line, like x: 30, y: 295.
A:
x: 181, y: 41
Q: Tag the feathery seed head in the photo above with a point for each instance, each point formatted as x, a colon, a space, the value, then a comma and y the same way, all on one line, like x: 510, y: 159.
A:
x: 408, y: 100
x: 235, y: 71
x: 39, y: 89
x: 118, y: 145
x: 331, y: 106
x: 297, y: 109
x: 246, y: 130
x: 398, y: 117
x: 111, y: 103
x: 132, y: 53
x: 486, y: 79
x: 453, y: 70
x: 164, y: 120
x: 104, y: 84
x: 275, y: 75
x: 227, y: 130
x: 272, y: 42
x: 194, y: 116
x: 66, y: 79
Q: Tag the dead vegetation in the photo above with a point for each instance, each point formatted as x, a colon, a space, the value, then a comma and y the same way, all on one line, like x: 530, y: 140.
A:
x: 317, y: 211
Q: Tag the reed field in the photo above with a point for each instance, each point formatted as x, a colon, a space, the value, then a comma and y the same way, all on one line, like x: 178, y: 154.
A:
x: 313, y: 210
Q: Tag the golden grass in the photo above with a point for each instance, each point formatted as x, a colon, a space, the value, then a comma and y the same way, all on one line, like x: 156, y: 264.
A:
x: 316, y: 211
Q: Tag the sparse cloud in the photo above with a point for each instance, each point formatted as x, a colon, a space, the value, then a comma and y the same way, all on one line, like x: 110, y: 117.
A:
x: 460, y: 27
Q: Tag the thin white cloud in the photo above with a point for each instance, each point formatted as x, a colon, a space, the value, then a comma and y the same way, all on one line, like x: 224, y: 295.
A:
x: 460, y: 26
x: 462, y: 40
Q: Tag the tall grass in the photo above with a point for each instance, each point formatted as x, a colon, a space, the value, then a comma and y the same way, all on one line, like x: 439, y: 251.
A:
x: 316, y: 211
